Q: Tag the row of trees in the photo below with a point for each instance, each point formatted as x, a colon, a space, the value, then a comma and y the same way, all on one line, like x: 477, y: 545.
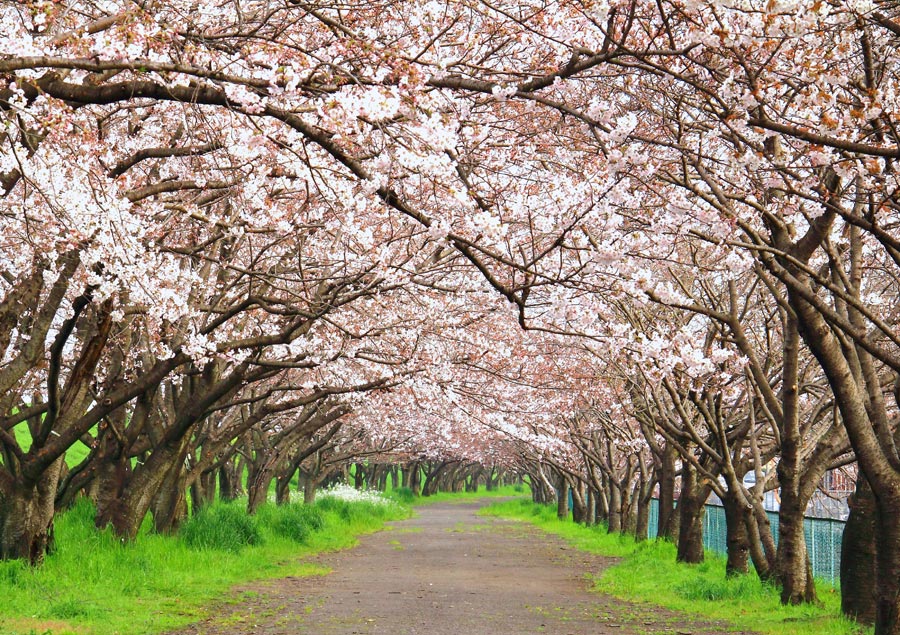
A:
x: 626, y: 245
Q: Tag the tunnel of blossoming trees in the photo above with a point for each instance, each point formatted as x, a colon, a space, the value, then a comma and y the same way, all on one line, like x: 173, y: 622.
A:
x: 628, y: 249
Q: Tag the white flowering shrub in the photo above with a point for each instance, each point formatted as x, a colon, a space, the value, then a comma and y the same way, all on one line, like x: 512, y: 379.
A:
x: 342, y: 491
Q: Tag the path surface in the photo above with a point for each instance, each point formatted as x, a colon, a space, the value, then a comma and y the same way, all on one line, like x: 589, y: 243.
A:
x: 447, y: 572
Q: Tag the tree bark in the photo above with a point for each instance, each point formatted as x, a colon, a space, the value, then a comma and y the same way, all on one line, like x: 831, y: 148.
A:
x: 642, y: 527
x: 887, y: 569
x: 614, y: 518
x: 229, y: 481
x: 691, y: 507
x: 579, y: 505
x: 169, y: 505
x: 562, y: 497
x: 793, y: 568
x: 737, y: 538
x: 283, y: 489
x: 26, y: 517
x: 666, y: 527
x: 858, y: 555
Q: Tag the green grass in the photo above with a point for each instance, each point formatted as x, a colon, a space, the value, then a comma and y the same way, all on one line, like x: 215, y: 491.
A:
x: 648, y: 573
x: 463, y: 497
x: 95, y: 585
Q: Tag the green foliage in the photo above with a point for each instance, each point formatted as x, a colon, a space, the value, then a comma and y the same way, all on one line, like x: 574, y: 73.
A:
x: 460, y: 497
x: 353, y: 511
x: 96, y: 585
x: 647, y: 572
x: 296, y: 522
x: 403, y: 495
x: 336, y: 506
x: 742, y: 587
x: 222, y: 526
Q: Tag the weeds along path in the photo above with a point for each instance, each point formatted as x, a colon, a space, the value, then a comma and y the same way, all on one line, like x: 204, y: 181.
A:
x: 446, y: 572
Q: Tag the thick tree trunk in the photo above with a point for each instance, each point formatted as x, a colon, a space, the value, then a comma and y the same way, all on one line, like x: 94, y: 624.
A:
x: 562, y: 498
x: 169, y: 505
x: 203, y: 491
x: 629, y: 510
x: 283, y: 489
x: 229, y: 482
x: 128, y: 511
x: 793, y: 568
x: 415, y: 478
x: 737, y: 538
x: 591, y: 518
x: 667, y: 527
x: 642, y: 527
x: 109, y: 486
x: 691, y: 507
x: 887, y: 574
x: 26, y: 518
x: 762, y: 542
x: 394, y: 477
x: 579, y: 504
x: 26, y: 526
x: 858, y: 555
x: 406, y: 475
x: 760, y: 533
x: 309, y: 491
x: 614, y: 517
x: 602, y: 512
x: 258, y: 490
x: 489, y: 480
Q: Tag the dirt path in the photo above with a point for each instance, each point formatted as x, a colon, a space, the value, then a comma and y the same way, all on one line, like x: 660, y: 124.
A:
x: 447, y: 572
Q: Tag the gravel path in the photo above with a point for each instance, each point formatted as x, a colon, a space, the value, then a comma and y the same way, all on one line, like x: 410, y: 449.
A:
x: 447, y: 572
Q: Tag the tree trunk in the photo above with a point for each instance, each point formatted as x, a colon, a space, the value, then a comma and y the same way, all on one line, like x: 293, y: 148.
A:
x: 614, y: 514
x: 26, y: 518
x: 309, y: 491
x: 793, y: 568
x: 763, y: 557
x: 762, y: 542
x: 258, y: 489
x: 887, y: 572
x: 415, y: 479
x: 405, y: 476
x: 858, y: 555
x: 113, y: 475
x: 642, y: 527
x: 229, y: 482
x: 666, y: 527
x: 562, y: 498
x: 629, y: 510
x: 283, y: 489
x: 691, y: 507
x: 169, y: 505
x: 579, y: 505
x: 393, y: 474
x: 591, y: 518
x: 203, y: 491
x: 128, y: 511
x: 737, y: 539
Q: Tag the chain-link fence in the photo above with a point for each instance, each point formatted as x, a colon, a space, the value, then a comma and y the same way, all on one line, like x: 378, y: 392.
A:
x: 823, y: 538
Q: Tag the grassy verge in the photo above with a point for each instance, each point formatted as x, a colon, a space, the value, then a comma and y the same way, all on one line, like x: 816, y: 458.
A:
x: 94, y: 585
x: 648, y: 573
x: 405, y: 496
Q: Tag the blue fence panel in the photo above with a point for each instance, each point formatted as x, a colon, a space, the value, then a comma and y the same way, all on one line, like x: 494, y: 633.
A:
x: 823, y: 538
